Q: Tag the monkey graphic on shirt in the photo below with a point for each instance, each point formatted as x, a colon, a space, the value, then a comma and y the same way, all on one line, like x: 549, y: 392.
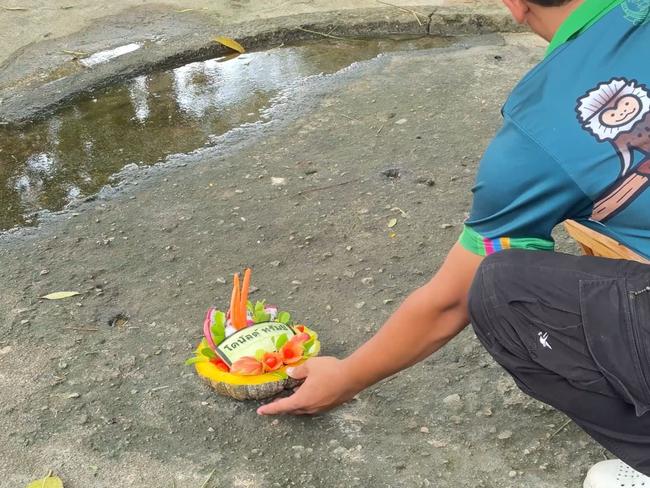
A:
x: 618, y: 112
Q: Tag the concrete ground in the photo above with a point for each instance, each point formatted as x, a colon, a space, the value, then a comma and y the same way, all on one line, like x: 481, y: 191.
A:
x: 25, y: 23
x: 112, y: 405
x: 108, y: 403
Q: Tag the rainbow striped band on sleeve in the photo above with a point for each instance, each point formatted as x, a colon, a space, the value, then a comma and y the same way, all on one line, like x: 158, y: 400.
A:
x: 491, y: 246
x: 484, y: 246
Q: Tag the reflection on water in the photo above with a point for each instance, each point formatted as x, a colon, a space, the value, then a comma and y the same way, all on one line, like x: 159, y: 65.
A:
x: 72, y: 154
x: 105, y: 56
x: 139, y: 95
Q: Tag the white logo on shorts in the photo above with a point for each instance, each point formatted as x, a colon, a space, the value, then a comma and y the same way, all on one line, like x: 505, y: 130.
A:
x: 543, y: 339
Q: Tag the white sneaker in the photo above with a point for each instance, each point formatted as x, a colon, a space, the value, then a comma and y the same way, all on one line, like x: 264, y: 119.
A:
x: 615, y: 474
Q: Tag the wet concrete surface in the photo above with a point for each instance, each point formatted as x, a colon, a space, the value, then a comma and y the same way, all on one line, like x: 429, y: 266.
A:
x: 113, y: 406
x: 42, y: 76
x: 28, y: 23
x: 71, y: 155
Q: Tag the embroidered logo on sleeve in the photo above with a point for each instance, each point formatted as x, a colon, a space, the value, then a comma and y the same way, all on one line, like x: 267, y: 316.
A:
x: 636, y: 11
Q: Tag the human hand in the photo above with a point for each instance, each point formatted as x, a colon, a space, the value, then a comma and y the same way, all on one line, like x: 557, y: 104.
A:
x: 328, y: 383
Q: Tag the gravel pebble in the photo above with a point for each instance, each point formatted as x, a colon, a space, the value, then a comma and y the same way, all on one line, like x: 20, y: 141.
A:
x: 506, y: 434
x: 453, y: 401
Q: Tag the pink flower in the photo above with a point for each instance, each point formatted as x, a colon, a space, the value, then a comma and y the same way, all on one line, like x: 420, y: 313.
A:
x: 247, y: 366
x: 207, y: 323
x: 300, y: 338
x: 272, y: 310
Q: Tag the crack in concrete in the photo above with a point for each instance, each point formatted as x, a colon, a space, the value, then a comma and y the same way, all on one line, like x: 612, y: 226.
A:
x: 430, y: 20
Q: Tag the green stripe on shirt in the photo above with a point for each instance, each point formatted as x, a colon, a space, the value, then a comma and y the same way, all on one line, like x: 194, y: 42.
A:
x: 483, y: 246
x: 583, y: 17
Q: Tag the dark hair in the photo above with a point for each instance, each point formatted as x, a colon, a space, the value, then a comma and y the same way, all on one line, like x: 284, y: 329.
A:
x: 550, y: 3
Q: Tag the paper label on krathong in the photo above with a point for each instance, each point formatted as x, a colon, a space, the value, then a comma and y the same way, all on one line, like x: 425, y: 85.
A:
x: 248, y: 341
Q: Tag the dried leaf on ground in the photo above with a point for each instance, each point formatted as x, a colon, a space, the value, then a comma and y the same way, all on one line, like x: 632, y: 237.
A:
x: 60, y: 295
x: 392, y: 223
x: 231, y: 43
x: 47, y: 482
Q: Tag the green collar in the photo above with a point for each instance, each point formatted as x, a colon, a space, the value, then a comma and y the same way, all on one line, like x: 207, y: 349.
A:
x: 586, y: 15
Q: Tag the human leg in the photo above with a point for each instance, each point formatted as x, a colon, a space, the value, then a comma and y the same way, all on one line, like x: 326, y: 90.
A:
x: 571, y: 334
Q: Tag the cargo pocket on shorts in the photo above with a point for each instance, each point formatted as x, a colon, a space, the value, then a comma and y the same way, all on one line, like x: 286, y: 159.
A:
x: 546, y: 315
x: 612, y: 317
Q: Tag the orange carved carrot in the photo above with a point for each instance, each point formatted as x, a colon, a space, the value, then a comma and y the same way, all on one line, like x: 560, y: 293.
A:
x: 244, y: 295
x: 236, y: 311
x: 233, y: 303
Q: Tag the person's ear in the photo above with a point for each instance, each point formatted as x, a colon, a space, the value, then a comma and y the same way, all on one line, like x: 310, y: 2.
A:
x: 518, y: 8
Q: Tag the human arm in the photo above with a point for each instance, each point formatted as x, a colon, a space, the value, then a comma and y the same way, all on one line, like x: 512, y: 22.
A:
x: 521, y: 193
x: 429, y: 318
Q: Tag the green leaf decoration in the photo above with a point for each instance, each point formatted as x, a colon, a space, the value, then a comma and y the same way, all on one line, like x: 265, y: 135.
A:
x: 284, y: 317
x: 307, y: 345
x: 47, y: 482
x: 250, y: 307
x: 219, y: 319
x: 281, y: 375
x: 218, y: 328
x: 313, y: 350
x: 259, y: 354
x: 218, y: 339
x: 208, y: 352
x: 261, y: 316
x: 196, y: 359
x: 282, y: 340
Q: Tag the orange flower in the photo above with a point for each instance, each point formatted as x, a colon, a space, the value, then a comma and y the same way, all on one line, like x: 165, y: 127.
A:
x: 272, y: 361
x: 220, y: 364
x: 247, y: 366
x: 300, y: 328
x: 293, y: 350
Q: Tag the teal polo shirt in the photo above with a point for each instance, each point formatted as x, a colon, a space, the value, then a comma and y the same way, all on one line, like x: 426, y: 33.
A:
x: 575, y: 143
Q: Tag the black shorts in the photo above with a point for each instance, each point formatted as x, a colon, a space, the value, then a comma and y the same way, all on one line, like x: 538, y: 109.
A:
x: 574, y: 332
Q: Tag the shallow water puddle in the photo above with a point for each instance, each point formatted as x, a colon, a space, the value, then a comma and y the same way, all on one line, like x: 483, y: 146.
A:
x: 73, y: 153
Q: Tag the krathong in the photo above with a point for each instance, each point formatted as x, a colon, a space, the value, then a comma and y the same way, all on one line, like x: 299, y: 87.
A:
x: 245, y: 351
